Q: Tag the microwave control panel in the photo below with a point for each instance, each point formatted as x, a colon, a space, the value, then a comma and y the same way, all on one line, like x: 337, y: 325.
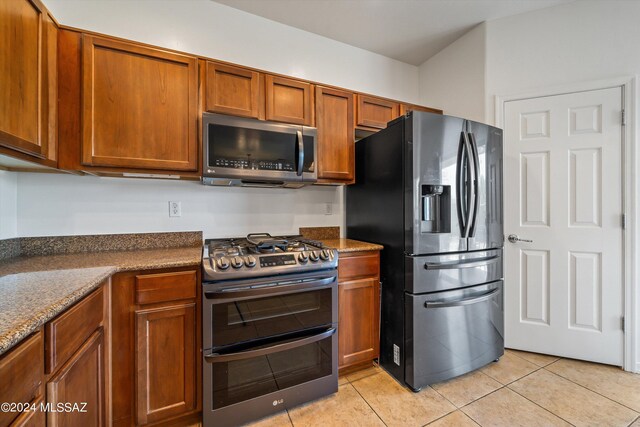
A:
x: 278, y: 165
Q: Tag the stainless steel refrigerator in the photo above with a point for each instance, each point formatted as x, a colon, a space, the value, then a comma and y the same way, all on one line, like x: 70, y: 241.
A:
x: 429, y: 189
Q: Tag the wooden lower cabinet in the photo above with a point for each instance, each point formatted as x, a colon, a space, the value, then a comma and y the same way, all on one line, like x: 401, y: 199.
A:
x: 358, y: 308
x: 32, y: 418
x: 165, y: 356
x: 156, y: 347
x: 80, y: 381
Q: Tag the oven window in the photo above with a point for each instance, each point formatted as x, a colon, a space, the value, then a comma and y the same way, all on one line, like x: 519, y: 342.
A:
x: 244, y: 148
x: 246, y: 320
x: 240, y: 380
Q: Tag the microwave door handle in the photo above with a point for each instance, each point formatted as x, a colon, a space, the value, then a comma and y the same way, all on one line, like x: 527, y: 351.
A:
x: 248, y: 354
x: 299, y: 153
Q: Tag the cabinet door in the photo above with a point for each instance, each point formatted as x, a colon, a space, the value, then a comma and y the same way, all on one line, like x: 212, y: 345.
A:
x: 81, y: 379
x: 289, y: 101
x: 165, y: 358
x: 232, y: 90
x: 359, y: 314
x: 27, y: 46
x: 139, y: 106
x: 334, y: 120
x: 375, y: 112
x: 35, y: 418
x: 405, y: 108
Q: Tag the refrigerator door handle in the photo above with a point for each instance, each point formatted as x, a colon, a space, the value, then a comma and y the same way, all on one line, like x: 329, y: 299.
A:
x: 476, y: 182
x: 470, y: 176
x: 473, y: 262
x: 466, y: 301
x: 460, y: 187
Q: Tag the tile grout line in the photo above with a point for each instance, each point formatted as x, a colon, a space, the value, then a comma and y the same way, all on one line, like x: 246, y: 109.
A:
x: 366, y: 401
x: 535, y: 403
x: 510, y: 389
x: 593, y: 391
x: 637, y: 418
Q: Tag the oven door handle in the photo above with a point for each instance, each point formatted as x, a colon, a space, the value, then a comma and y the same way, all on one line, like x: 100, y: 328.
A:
x: 278, y: 288
x: 247, y: 354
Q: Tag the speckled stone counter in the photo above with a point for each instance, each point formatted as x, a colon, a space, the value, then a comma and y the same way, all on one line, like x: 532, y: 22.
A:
x: 120, y: 260
x: 28, y: 300
x: 44, y: 279
x: 349, y: 245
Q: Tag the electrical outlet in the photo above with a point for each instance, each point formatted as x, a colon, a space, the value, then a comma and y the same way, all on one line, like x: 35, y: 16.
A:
x: 328, y: 209
x: 175, y: 209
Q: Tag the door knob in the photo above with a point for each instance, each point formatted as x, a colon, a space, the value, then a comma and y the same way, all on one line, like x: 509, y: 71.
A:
x: 513, y: 238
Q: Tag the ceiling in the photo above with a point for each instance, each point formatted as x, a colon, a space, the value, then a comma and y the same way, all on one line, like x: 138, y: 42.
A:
x: 410, y: 31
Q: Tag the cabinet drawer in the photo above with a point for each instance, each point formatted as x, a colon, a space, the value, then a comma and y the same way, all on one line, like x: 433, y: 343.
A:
x: 21, y: 373
x: 67, y: 332
x: 163, y: 287
x: 360, y: 265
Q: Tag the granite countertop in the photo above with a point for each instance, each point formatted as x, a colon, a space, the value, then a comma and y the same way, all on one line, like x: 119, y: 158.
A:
x: 120, y: 260
x: 28, y: 300
x: 349, y: 245
x: 35, y: 289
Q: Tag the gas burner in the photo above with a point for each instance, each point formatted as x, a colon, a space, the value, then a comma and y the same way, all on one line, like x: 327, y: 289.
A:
x: 262, y: 254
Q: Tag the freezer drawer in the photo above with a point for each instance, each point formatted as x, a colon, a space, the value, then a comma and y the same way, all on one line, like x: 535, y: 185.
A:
x: 451, y: 333
x: 434, y: 273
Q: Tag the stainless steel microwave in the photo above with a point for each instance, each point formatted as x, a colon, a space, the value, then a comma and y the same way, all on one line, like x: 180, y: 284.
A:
x: 255, y: 153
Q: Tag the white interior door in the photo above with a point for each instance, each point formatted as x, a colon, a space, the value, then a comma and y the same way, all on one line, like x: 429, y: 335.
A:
x: 563, y: 191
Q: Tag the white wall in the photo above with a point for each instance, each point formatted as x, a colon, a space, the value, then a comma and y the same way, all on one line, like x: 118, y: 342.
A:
x: 67, y: 205
x: 8, y: 205
x: 213, y: 30
x: 575, y: 42
x: 453, y: 79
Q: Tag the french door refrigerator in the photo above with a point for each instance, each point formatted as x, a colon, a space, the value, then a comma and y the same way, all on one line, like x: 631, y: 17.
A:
x: 429, y: 189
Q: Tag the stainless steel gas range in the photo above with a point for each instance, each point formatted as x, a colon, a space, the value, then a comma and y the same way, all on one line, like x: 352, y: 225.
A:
x: 269, y: 326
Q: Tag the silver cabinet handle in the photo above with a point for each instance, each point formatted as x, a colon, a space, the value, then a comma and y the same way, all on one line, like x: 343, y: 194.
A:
x: 513, y: 238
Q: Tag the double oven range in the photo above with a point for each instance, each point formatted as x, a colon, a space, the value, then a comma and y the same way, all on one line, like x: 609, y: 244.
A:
x: 269, y: 326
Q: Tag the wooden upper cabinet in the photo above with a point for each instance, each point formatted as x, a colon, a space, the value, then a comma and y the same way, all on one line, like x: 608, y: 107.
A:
x: 27, y: 80
x: 289, y: 101
x: 139, y: 106
x: 334, y: 120
x: 233, y: 90
x: 405, y: 108
x: 372, y: 112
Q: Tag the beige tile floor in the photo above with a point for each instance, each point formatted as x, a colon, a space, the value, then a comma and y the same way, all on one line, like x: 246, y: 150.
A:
x: 522, y: 389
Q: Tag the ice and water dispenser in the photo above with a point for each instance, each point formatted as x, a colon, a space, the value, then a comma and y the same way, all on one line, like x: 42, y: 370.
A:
x: 436, y: 214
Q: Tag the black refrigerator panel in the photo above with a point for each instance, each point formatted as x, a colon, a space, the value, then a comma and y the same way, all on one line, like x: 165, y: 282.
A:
x: 451, y: 333
x: 437, y: 183
x: 374, y: 211
x: 486, y: 230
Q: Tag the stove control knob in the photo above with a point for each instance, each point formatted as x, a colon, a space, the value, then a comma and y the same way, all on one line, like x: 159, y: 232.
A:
x: 303, y: 257
x: 314, y: 255
x: 222, y: 263
x: 250, y: 261
x: 236, y: 262
x: 324, y: 255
